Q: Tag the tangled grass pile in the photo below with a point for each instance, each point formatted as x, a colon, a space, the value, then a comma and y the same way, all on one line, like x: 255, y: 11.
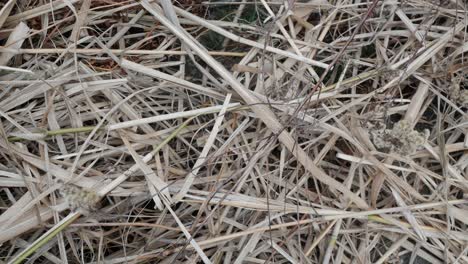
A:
x: 248, y: 131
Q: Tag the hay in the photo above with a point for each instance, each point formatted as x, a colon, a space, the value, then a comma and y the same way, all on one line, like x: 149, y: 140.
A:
x: 233, y: 131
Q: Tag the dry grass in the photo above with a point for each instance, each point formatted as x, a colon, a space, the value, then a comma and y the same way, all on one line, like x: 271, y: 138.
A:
x: 233, y: 131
